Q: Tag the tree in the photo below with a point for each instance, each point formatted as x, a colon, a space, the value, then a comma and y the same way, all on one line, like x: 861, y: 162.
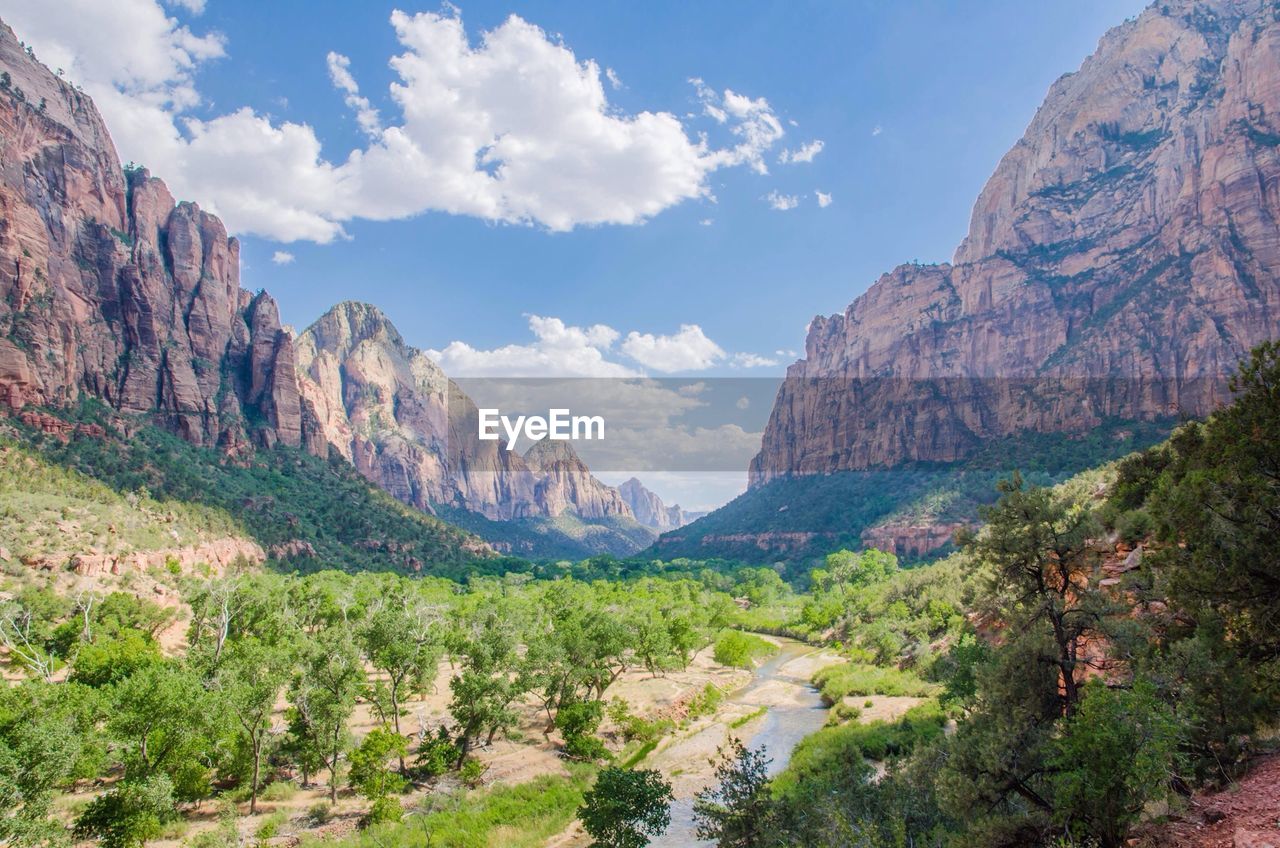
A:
x: 1218, y: 503
x: 128, y: 815
x: 737, y: 812
x: 326, y: 690
x: 41, y: 743
x: 1037, y: 545
x: 401, y: 642
x: 626, y: 808
x: 161, y: 715
x: 114, y: 657
x: 578, y: 723
x: 248, y: 681
x: 1113, y: 757
x: 370, y: 777
x: 492, y: 678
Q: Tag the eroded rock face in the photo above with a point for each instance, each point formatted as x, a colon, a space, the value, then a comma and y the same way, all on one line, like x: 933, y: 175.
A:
x: 389, y: 409
x: 650, y: 510
x: 1121, y: 260
x: 108, y: 289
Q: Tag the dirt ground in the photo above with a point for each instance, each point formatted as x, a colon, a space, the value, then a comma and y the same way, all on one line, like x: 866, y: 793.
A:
x: 1244, y: 815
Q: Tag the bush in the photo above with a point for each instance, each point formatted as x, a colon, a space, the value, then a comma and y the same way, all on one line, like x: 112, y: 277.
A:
x: 270, y: 826
x: 626, y: 808
x: 472, y: 771
x: 280, y: 790
x: 738, y: 649
x: 436, y: 754
x: 319, y: 813
x: 578, y: 723
x: 705, y: 702
x: 837, y: 681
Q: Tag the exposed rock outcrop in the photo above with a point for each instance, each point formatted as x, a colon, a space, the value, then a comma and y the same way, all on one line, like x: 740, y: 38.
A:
x: 650, y: 510
x: 1121, y: 260
x: 389, y: 408
x: 108, y: 289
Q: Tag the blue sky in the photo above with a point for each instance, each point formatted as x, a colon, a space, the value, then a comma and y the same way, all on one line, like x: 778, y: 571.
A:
x: 914, y: 103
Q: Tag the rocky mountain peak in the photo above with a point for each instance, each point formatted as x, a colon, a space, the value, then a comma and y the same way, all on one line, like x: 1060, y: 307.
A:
x: 1122, y: 258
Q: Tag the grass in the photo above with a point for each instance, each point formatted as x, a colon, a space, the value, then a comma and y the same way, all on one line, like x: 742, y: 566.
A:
x: 752, y: 716
x: 521, y: 816
x: 837, y: 681
x: 830, y: 750
x: 637, y: 756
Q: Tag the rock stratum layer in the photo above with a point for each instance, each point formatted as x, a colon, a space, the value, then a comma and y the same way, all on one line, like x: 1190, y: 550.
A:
x: 398, y: 418
x: 110, y: 290
x: 1121, y: 260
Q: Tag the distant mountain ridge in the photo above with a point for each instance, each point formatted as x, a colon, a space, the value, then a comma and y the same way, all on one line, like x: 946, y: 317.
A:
x: 649, y: 509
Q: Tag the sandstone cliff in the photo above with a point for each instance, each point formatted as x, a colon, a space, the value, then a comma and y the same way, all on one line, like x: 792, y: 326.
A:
x: 649, y: 509
x: 110, y: 290
x: 1120, y: 261
x: 390, y: 410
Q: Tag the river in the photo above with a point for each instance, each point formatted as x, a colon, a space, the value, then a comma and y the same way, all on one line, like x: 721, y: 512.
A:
x: 795, y: 710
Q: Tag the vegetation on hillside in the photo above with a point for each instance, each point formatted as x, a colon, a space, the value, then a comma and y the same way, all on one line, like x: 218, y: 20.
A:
x: 839, y: 507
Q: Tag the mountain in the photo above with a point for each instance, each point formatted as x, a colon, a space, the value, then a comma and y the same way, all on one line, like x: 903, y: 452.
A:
x: 109, y: 289
x: 391, y: 411
x: 1122, y: 258
x: 120, y: 309
x: 649, y: 509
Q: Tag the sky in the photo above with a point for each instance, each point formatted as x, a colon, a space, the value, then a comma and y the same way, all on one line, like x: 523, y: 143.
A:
x: 603, y: 189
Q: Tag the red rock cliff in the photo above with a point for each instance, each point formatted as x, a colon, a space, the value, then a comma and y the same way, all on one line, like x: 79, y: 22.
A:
x: 108, y: 289
x: 1120, y: 261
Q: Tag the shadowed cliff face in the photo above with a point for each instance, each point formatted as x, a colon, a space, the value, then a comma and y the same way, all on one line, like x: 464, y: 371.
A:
x: 109, y: 289
x: 390, y: 410
x: 1122, y: 258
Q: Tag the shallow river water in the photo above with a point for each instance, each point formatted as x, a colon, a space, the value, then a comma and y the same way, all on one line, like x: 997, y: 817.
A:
x: 788, y: 720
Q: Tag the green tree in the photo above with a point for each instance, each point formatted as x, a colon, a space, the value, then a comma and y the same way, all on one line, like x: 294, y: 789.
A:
x: 737, y: 811
x: 111, y: 658
x: 1113, y: 757
x: 626, y: 808
x: 1218, y: 503
x: 128, y: 815
x: 403, y: 642
x: 370, y: 776
x: 326, y: 691
x: 161, y: 716
x: 248, y: 682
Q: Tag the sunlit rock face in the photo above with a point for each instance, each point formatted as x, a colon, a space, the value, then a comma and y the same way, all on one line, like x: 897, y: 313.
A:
x: 1120, y: 261
x: 110, y: 290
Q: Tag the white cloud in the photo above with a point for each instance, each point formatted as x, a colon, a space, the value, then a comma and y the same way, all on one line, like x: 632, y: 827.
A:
x: 824, y: 199
x: 706, y: 222
x: 752, y: 360
x: 195, y: 7
x: 687, y: 350
x: 283, y: 257
x: 558, y: 350
x: 743, y: 402
x: 508, y: 127
x: 340, y: 74
x: 782, y: 202
x: 803, y: 154
x: 877, y: 129
x: 615, y: 82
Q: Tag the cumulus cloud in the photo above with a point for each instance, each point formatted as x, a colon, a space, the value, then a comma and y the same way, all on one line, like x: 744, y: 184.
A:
x: 687, y: 350
x: 282, y: 257
x: 803, y: 154
x: 824, y: 199
x: 195, y: 7
x: 340, y: 73
x: 782, y: 202
x: 558, y: 350
x: 752, y: 360
x: 509, y: 127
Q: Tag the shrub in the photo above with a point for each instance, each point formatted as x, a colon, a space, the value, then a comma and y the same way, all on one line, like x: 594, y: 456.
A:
x: 280, y: 790
x: 578, y: 723
x: 837, y: 681
x: 626, y: 808
x: 735, y: 648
